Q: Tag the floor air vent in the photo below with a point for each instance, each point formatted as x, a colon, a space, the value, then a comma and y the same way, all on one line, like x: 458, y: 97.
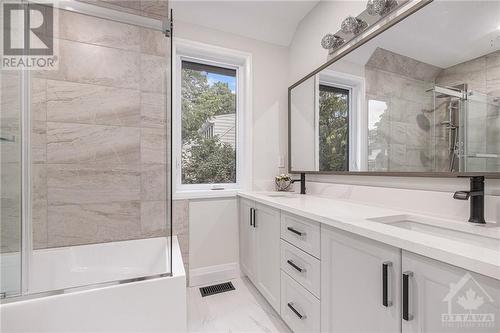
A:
x: 216, y: 289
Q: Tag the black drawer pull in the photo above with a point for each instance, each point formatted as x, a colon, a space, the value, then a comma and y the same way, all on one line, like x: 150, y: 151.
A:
x: 296, y: 231
x: 301, y: 316
x: 291, y: 263
x: 406, y: 296
x: 385, y: 284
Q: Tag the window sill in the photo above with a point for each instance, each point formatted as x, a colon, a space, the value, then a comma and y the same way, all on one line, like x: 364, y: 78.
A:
x: 203, y: 194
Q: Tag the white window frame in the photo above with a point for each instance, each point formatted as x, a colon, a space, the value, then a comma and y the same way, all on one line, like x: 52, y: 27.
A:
x: 221, y: 57
x: 358, y: 116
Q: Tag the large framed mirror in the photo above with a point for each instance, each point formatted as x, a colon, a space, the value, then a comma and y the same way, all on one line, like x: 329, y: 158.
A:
x: 420, y: 97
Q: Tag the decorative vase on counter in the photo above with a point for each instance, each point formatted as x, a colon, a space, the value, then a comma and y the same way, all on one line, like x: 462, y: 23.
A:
x: 283, y: 182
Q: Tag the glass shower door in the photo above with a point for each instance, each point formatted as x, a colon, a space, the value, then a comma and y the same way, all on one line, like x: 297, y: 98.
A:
x: 482, y: 143
x: 85, y: 157
x: 99, y: 152
x: 10, y: 193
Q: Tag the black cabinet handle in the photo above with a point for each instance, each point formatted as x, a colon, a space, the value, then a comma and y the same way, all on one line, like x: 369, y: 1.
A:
x: 296, y: 231
x: 291, y: 263
x: 385, y: 284
x: 301, y: 316
x: 406, y: 296
x: 253, y: 218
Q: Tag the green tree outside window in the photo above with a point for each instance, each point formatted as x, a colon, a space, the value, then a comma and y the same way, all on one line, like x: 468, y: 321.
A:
x: 206, y: 94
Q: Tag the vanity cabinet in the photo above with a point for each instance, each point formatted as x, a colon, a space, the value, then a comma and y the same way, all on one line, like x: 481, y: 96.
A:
x: 360, y: 284
x: 247, y: 238
x: 260, y: 248
x: 323, y: 279
x: 438, y: 297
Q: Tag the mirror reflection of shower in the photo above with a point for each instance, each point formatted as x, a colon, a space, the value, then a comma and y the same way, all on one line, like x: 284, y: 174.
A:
x: 450, y: 129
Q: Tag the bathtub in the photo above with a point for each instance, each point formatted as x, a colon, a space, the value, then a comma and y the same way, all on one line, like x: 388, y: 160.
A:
x: 74, y: 290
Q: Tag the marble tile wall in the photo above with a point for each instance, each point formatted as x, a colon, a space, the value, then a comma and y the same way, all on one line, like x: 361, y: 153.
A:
x: 180, y: 225
x: 99, y: 135
x: 401, y: 140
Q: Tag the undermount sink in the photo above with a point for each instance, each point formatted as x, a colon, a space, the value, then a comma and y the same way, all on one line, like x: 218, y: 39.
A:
x: 282, y: 195
x: 470, y: 234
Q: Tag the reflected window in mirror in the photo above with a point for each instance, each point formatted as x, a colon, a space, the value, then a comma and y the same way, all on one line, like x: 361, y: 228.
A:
x: 334, y: 109
x: 378, y: 152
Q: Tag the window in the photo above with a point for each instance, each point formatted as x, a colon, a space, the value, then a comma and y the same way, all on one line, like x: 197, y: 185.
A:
x: 208, y: 116
x: 334, y: 105
x: 211, y: 120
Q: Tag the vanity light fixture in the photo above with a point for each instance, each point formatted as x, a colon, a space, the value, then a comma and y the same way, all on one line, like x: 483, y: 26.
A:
x: 380, y: 7
x: 353, y: 25
x: 331, y: 41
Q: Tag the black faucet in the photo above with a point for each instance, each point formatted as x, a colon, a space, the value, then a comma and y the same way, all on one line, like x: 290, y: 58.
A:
x: 476, y: 195
x: 302, y: 181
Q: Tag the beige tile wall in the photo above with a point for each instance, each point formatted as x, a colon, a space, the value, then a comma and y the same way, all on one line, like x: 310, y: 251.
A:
x: 99, y: 135
x: 180, y: 225
x: 401, y: 83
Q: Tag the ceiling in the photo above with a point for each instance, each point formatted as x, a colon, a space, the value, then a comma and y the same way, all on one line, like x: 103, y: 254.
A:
x: 269, y: 21
x: 443, y: 34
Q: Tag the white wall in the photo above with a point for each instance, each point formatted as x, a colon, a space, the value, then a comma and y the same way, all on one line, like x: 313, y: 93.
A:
x: 303, y: 115
x: 213, y: 223
x: 306, y: 54
x: 213, y: 240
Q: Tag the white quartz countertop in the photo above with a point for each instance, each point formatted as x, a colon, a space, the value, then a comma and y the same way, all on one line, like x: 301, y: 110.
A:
x: 354, y: 217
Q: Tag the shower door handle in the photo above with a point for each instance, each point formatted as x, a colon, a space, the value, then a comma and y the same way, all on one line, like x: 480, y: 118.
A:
x: 5, y: 139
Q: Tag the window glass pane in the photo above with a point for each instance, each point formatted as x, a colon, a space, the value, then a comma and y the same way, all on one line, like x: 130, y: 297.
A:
x: 208, y: 124
x: 333, y: 129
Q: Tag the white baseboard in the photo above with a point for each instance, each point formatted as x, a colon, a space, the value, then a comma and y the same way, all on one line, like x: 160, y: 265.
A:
x: 211, y: 274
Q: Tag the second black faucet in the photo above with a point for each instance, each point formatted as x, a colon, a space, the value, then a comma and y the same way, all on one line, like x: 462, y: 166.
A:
x: 302, y: 181
x: 476, y: 195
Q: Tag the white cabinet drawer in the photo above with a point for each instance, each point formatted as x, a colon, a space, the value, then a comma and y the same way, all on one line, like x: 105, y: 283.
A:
x: 299, y: 308
x: 302, y: 267
x: 303, y: 233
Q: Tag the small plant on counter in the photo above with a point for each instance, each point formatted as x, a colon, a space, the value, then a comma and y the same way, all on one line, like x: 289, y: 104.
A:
x: 283, y: 182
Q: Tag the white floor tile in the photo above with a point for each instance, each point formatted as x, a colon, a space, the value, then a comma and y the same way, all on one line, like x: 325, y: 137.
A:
x: 241, y: 310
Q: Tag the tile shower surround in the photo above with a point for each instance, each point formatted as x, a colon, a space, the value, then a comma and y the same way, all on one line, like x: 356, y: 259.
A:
x: 400, y: 82
x: 99, y: 135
